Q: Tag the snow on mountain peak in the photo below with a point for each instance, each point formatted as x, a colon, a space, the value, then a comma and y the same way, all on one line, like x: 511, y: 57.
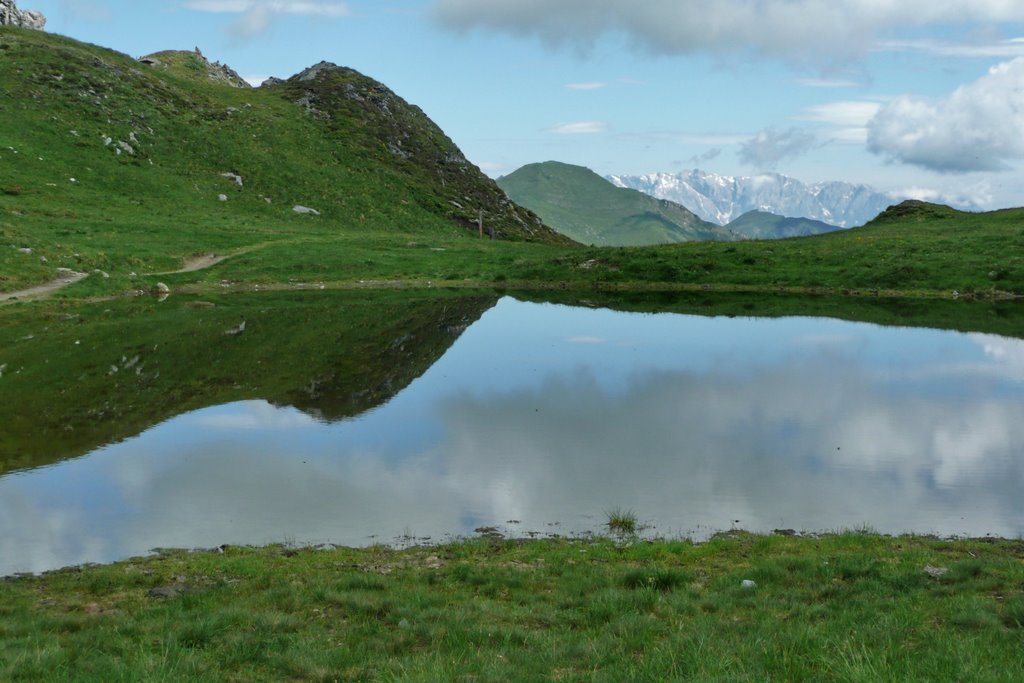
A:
x: 721, y: 199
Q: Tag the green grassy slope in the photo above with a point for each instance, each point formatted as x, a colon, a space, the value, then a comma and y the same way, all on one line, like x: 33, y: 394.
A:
x: 108, y: 163
x: 581, y: 204
x: 844, y: 607
x: 761, y: 225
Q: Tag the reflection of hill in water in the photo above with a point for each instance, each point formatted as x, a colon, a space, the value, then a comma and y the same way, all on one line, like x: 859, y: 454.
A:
x: 73, y: 382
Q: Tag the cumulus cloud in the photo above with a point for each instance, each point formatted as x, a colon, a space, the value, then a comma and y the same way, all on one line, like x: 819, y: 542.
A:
x: 579, y: 128
x: 257, y: 15
x: 790, y: 29
x: 765, y: 150
x: 979, y: 127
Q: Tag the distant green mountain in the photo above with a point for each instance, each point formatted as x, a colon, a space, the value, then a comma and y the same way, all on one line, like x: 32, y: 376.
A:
x: 761, y: 225
x: 582, y: 205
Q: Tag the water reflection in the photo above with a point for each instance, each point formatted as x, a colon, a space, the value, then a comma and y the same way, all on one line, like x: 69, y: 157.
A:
x: 549, y: 414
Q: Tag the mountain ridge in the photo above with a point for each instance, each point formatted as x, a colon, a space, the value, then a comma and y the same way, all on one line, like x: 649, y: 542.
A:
x: 721, y: 199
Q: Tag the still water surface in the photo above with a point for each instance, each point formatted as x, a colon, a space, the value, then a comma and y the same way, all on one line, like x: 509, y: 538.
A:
x: 540, y: 418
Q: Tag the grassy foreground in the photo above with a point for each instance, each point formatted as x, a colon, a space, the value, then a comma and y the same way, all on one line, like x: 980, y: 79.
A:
x: 846, y: 607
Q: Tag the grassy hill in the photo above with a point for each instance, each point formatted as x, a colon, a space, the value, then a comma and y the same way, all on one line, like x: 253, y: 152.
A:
x: 584, y: 206
x: 108, y: 163
x: 761, y: 225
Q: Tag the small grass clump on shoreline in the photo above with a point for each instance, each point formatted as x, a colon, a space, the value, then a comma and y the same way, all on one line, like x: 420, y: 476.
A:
x: 852, y: 606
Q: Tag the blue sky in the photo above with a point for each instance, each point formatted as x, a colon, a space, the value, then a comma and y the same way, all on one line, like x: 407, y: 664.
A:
x: 923, y: 98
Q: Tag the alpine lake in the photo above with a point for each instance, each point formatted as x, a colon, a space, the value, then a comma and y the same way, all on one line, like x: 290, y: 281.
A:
x: 397, y: 417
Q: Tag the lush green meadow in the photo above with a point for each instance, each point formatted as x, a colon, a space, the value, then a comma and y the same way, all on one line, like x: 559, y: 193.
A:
x: 848, y: 607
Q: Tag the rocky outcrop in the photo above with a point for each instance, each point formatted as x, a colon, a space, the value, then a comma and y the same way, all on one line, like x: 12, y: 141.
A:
x: 10, y: 15
x: 195, y: 62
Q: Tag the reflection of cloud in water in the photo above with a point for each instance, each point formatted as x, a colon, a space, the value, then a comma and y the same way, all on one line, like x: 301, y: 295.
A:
x: 803, y: 444
x: 1007, y: 353
x: 790, y: 446
x: 254, y: 415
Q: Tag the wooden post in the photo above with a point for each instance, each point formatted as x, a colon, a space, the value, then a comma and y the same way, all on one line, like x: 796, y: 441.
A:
x: 480, y: 223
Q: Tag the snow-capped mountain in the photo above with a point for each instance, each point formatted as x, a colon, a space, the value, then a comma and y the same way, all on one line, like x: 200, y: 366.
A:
x: 720, y: 199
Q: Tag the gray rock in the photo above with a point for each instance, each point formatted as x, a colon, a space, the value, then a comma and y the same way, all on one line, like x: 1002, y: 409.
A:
x: 25, y: 250
x: 10, y: 15
x: 222, y: 197
x: 305, y: 209
x: 935, y: 572
x: 233, y: 176
x: 165, y: 592
x: 747, y: 583
x: 161, y: 288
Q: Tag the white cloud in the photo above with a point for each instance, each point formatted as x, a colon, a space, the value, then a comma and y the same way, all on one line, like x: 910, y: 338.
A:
x: 802, y: 30
x: 849, y: 118
x: 257, y: 15
x: 997, y: 49
x: 579, y: 128
x: 979, y: 127
x: 968, y: 197
x: 586, y: 86
x: 306, y: 7
x: 255, y: 81
x: 765, y: 150
x: 828, y: 83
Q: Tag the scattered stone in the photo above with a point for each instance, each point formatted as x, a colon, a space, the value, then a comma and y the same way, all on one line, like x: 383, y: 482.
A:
x: 305, y: 209
x: 43, y: 260
x: 25, y: 250
x: 165, y: 592
x: 239, y: 329
x: 107, y: 141
x: 2, y: 368
x: 935, y: 572
x: 102, y: 273
x: 10, y: 15
x: 122, y: 145
x: 161, y: 289
x: 222, y: 197
x: 747, y: 583
x: 268, y: 200
x: 233, y: 176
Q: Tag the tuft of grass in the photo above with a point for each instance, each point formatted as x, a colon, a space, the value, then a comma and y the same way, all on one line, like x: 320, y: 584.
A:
x: 622, y: 521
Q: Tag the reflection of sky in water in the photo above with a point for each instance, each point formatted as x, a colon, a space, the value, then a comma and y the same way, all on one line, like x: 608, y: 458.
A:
x: 547, y: 414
